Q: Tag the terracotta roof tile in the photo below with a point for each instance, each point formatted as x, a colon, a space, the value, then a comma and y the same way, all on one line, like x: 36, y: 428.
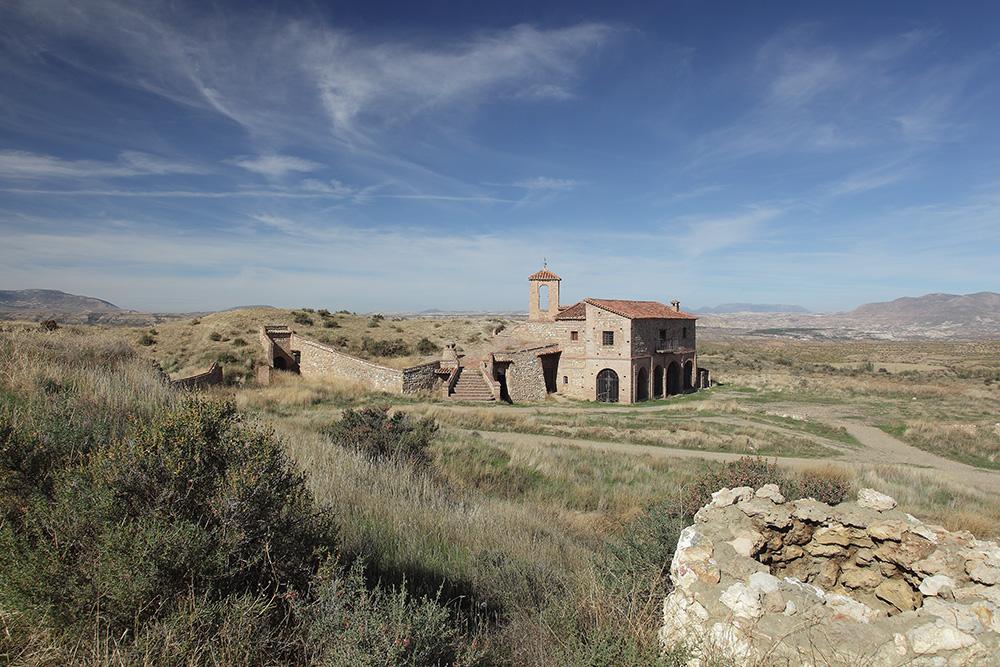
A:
x: 578, y: 311
x: 640, y: 310
x: 543, y: 274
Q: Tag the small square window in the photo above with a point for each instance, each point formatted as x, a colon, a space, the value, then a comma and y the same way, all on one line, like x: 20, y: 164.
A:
x: 663, y: 334
x: 566, y: 377
x: 608, y: 338
x: 574, y: 335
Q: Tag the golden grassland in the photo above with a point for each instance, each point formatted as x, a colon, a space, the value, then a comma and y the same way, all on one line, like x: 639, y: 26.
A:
x: 522, y: 531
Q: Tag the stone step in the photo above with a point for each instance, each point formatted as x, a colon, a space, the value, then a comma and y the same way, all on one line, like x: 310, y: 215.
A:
x: 471, y: 386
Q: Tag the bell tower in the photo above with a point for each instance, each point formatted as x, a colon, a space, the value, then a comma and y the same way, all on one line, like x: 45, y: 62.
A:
x: 543, y: 295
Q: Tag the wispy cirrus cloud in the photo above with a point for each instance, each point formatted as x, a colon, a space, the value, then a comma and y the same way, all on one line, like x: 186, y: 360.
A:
x: 820, y: 97
x: 546, y: 183
x: 275, y: 165
x: 264, y: 71
x: 35, y: 166
x: 701, y: 235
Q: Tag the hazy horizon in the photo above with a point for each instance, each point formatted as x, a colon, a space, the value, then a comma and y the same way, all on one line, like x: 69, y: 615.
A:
x: 399, y: 158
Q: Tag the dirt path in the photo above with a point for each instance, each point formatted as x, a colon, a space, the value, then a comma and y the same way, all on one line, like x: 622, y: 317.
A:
x: 654, y: 451
x: 877, y: 448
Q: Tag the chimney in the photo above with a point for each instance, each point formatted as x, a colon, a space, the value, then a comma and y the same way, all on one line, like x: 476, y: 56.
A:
x: 676, y: 304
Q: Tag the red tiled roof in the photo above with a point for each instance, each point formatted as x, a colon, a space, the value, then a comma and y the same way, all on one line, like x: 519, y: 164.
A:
x: 640, y: 310
x: 544, y: 274
x: 578, y: 311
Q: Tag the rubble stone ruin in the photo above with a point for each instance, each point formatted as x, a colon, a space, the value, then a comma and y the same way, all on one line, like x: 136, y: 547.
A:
x: 760, y: 581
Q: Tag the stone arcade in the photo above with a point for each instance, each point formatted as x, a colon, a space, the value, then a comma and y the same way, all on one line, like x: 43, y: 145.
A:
x: 608, y: 350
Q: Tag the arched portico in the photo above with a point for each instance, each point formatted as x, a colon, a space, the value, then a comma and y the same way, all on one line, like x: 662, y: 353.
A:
x: 658, y: 382
x: 675, y: 383
x: 642, y: 385
x: 688, y: 375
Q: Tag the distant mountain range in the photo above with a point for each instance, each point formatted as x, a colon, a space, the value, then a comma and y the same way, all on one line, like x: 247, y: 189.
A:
x: 928, y: 317
x: 29, y: 301
x: 750, y: 308
x: 932, y: 309
x: 932, y: 316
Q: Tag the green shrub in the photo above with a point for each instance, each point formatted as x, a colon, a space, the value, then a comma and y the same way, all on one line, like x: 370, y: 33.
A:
x: 380, y: 435
x: 384, y: 348
x: 348, y: 623
x: 48, y: 325
x: 239, y: 342
x: 191, y: 505
x: 215, y: 335
x: 323, y: 312
x: 425, y: 346
x: 331, y: 324
x: 828, y: 484
x: 147, y: 340
x: 303, y: 319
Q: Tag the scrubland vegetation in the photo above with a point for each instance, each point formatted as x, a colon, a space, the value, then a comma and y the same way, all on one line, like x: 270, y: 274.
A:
x: 940, y: 397
x: 186, y: 345
x: 311, y: 523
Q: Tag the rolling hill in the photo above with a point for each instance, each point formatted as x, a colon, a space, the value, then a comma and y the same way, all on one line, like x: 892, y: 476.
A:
x: 30, y: 302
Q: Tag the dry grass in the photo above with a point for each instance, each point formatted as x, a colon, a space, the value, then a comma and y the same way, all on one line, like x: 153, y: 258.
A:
x: 924, y: 495
x: 289, y: 393
x: 184, y: 345
x: 658, y: 429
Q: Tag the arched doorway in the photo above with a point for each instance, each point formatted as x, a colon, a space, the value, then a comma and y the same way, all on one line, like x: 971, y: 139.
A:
x: 658, y: 382
x: 607, y: 386
x: 675, y: 384
x: 688, y: 372
x: 642, y: 385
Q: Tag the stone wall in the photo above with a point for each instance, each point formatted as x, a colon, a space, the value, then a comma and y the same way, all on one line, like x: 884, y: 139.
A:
x: 212, y: 376
x: 646, y: 336
x: 421, y: 378
x: 318, y: 360
x: 805, y: 583
x: 525, y: 379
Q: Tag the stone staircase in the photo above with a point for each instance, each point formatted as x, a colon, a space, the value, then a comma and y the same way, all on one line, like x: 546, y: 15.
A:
x: 471, y: 386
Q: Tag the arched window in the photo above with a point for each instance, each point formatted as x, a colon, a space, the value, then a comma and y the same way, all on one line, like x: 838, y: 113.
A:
x: 607, y: 386
x: 543, y: 297
x: 658, y: 382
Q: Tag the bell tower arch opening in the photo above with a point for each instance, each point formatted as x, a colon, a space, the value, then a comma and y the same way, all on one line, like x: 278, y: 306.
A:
x: 543, y: 295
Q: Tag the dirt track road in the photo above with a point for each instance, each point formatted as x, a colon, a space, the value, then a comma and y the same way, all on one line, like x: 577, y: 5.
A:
x: 877, y: 448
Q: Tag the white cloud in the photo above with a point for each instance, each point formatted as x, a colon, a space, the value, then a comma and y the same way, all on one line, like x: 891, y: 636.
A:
x: 804, y: 76
x: 35, y: 166
x: 273, y: 165
x: 265, y: 71
x: 367, y: 85
x: 707, y: 234
x: 546, y: 183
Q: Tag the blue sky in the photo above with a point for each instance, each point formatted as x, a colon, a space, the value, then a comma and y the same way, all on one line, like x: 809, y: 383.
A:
x: 378, y: 156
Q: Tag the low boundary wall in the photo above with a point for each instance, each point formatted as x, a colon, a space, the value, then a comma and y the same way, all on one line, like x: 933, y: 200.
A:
x: 319, y: 360
x: 212, y: 376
